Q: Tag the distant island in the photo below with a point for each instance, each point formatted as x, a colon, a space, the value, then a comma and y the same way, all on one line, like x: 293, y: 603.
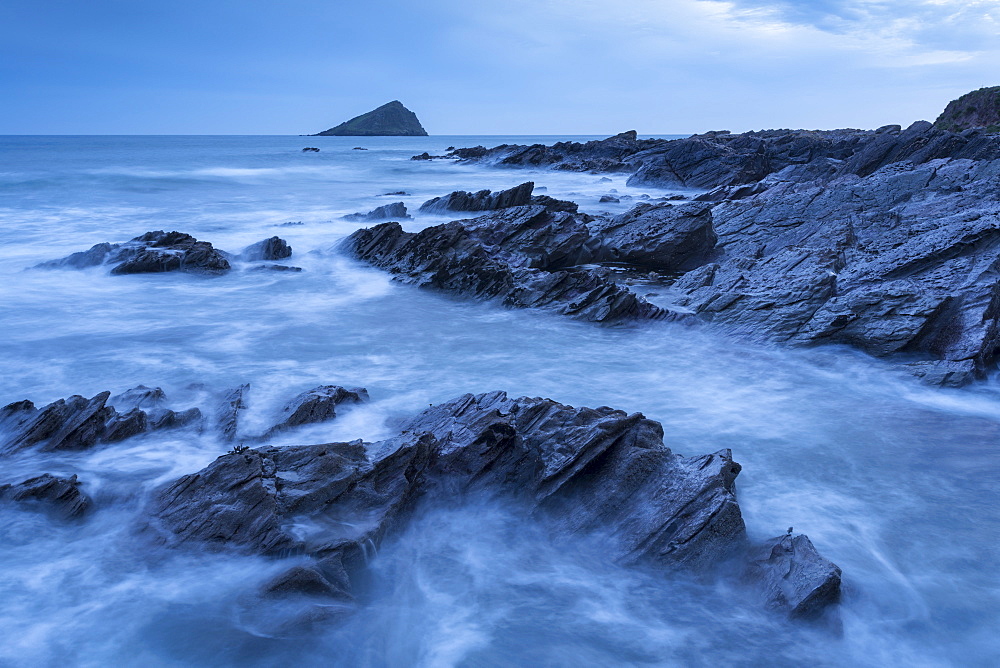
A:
x: 389, y: 120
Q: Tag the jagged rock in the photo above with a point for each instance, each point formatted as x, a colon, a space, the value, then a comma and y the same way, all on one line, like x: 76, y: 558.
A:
x: 582, y: 470
x: 520, y: 255
x: 660, y: 236
x: 78, y: 423
x: 61, y: 495
x: 793, y: 577
x: 152, y: 252
x: 978, y: 109
x: 310, y: 149
x: 271, y: 249
x: 317, y: 405
x: 389, y: 120
x: 228, y: 411
x: 385, y: 212
x: 139, y: 396
x: 484, y: 200
x: 716, y: 159
x: 900, y: 263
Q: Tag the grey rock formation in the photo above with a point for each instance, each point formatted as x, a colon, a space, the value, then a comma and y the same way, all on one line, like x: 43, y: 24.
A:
x: 794, y: 577
x: 227, y: 413
x: 396, y: 210
x: 152, y: 252
x: 274, y: 248
x: 668, y: 238
x: 78, y: 423
x: 392, y: 119
x: 61, y: 496
x: 485, y: 200
x: 582, y: 470
x: 523, y: 256
x: 317, y: 405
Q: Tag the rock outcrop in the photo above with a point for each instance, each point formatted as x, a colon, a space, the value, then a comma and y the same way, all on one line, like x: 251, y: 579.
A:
x: 78, y: 423
x: 582, y: 471
x: 486, y: 200
x: 61, y: 496
x: 152, y: 252
x: 274, y: 248
x: 978, y: 109
x: 317, y: 405
x: 524, y: 256
x: 389, y: 120
x: 394, y: 211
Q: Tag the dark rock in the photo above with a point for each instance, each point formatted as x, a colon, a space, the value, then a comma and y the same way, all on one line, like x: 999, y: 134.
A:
x: 77, y: 423
x: 152, y: 252
x: 310, y: 149
x: 582, y: 470
x: 520, y: 255
x: 400, y: 193
x: 793, y: 577
x: 663, y: 237
x: 450, y: 148
x: 139, y: 396
x: 389, y: 120
x: 291, y: 224
x: 122, y: 426
x: 604, y: 179
x: 359, y: 148
x: 609, y: 198
x: 276, y: 267
x: 978, y: 109
x: 484, y: 200
x: 385, y: 212
x: 228, y: 411
x: 274, y: 248
x: 317, y: 405
x: 61, y: 495
x: 424, y: 156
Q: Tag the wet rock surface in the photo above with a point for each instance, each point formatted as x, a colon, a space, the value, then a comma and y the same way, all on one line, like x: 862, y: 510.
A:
x: 523, y: 256
x: 486, y: 200
x: 153, y: 252
x: 317, y: 405
x: 78, y: 423
x: 274, y: 248
x: 386, y: 212
x: 60, y: 496
x: 583, y: 470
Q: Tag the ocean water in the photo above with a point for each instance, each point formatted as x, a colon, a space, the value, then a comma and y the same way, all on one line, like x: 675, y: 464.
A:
x: 895, y: 482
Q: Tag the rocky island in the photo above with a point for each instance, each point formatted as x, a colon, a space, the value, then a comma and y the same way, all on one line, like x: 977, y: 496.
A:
x: 389, y: 120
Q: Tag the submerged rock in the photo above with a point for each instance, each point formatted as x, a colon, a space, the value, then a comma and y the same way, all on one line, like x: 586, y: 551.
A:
x: 153, y: 252
x: 274, y: 248
x: 384, y: 212
x: 580, y: 470
x: 392, y: 119
x: 59, y: 495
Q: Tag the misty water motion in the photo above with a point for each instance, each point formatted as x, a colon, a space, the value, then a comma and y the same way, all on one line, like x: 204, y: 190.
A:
x: 893, y: 481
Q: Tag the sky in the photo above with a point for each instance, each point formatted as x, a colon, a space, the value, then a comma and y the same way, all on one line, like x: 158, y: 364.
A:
x: 487, y: 67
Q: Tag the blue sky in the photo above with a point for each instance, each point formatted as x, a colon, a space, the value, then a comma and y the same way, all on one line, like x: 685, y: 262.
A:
x: 503, y: 67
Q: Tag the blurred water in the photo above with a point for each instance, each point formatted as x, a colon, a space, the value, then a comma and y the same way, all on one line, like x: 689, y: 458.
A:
x: 895, y: 482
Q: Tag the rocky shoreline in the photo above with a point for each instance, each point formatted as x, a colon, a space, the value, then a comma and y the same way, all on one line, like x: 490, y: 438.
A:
x: 885, y: 240
x: 579, y: 471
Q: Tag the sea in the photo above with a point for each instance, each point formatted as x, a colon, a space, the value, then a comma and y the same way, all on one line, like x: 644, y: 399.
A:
x: 896, y: 482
